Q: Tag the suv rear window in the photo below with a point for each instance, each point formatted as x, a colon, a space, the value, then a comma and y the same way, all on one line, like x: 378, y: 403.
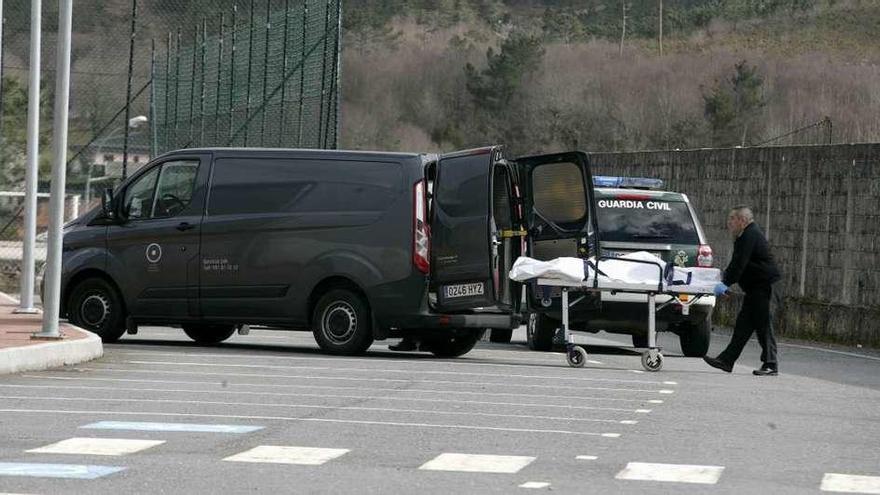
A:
x: 646, y: 220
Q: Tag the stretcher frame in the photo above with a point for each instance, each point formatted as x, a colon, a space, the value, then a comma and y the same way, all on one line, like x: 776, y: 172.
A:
x: 652, y: 357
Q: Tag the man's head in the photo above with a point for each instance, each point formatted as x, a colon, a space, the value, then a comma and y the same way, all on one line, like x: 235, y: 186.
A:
x: 738, y: 219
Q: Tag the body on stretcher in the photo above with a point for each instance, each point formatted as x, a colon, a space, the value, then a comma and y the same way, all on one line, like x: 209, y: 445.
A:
x: 639, y: 273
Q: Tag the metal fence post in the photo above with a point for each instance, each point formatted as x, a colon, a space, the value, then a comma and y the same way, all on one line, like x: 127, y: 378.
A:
x: 26, y: 300
x: 232, y: 76
x: 128, y: 88
x: 302, y: 73
x: 176, y: 90
x: 219, y: 77
x: 284, y: 69
x: 167, y: 87
x: 321, y: 134
x: 202, y: 96
x: 247, y: 109
x: 265, y: 71
x: 153, y: 126
x: 51, y: 304
x: 806, y: 231
x: 192, y: 89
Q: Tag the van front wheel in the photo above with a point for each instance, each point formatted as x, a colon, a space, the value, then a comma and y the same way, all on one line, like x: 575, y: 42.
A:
x: 342, y: 324
x: 95, y: 305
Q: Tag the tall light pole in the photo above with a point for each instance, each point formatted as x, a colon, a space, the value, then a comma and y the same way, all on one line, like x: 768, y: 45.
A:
x: 26, y: 296
x: 51, y: 304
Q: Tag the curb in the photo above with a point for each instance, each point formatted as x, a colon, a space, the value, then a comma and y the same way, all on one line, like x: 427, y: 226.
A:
x: 38, y: 357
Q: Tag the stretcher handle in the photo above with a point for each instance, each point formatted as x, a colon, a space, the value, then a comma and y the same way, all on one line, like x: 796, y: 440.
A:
x: 645, y: 262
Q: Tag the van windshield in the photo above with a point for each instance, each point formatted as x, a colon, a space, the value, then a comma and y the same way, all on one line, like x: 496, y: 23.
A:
x: 646, y: 220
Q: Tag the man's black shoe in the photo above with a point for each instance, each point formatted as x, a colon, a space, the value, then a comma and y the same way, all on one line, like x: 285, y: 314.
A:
x: 766, y: 371
x: 717, y: 363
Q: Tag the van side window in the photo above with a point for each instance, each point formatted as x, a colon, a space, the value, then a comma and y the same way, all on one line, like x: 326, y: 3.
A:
x: 139, y: 196
x: 559, y: 192
x: 175, y: 188
x: 269, y: 185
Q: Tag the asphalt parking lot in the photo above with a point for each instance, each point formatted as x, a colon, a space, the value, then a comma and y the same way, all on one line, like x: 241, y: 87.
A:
x: 268, y: 413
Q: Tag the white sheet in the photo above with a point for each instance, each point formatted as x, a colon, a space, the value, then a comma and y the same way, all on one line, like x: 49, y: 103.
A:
x: 618, y: 271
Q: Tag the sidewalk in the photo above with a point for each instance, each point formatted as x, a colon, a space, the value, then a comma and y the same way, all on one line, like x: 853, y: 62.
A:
x: 18, y: 352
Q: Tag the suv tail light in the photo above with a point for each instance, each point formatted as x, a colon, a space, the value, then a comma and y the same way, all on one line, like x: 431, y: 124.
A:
x: 421, y: 231
x: 704, y: 256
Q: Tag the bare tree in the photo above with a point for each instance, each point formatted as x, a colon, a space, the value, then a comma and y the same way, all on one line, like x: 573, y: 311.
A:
x: 623, y: 26
x: 661, y: 28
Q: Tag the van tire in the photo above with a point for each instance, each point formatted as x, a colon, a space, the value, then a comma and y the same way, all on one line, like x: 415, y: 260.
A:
x: 208, y: 334
x: 695, y: 338
x: 96, y: 306
x: 455, y: 346
x: 540, y: 330
x: 500, y: 335
x: 342, y: 323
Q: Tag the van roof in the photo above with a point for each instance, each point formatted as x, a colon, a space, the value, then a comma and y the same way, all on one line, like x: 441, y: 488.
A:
x: 298, y: 151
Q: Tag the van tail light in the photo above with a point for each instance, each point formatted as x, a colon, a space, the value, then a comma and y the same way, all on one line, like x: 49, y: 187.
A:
x: 421, y: 230
x: 704, y: 256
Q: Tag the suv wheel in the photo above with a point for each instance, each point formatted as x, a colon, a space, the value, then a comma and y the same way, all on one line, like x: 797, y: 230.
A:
x: 540, y: 331
x: 454, y: 346
x: 208, y: 334
x: 96, y: 306
x: 342, y: 323
x: 694, y: 338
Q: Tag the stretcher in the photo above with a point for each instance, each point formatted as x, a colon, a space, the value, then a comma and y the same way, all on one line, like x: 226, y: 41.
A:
x: 696, y: 283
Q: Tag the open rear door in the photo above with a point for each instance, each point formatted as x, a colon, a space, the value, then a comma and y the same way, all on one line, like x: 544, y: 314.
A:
x: 465, y: 238
x: 560, y: 214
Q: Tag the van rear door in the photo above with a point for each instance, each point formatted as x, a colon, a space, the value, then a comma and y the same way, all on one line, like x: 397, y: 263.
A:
x: 466, y: 247
x: 560, y: 214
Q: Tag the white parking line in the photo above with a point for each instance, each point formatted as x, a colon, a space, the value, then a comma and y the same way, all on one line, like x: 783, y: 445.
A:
x: 385, y: 380
x: 473, y: 463
x: 170, y: 427
x: 399, y: 371
x: 300, y: 394
x: 74, y: 471
x: 224, y: 383
x: 307, y: 419
x: 308, y: 456
x: 850, y: 483
x: 679, y: 473
x: 97, y: 446
x: 586, y: 458
x: 310, y: 406
x: 535, y: 484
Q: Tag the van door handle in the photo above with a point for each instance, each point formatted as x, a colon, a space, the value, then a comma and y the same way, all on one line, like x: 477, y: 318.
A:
x: 184, y: 226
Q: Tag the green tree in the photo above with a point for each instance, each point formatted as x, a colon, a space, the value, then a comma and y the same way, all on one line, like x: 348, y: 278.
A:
x: 731, y: 108
x: 493, y: 88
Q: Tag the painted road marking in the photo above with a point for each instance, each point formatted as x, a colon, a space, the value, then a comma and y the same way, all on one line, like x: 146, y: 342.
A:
x: 97, y: 446
x: 586, y: 458
x: 309, y: 419
x: 309, y: 456
x: 474, y: 463
x: 224, y: 383
x: 75, y: 471
x: 850, y: 483
x: 311, y: 406
x: 226, y: 375
x: 535, y: 484
x: 680, y: 473
x: 177, y: 427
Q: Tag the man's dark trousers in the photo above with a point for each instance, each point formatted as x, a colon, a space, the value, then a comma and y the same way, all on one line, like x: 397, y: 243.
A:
x: 754, y: 316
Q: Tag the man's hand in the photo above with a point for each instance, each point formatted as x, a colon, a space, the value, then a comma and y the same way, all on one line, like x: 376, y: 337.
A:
x: 720, y: 289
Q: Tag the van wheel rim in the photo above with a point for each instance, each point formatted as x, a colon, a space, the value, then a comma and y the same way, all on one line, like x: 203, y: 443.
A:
x: 339, y: 322
x: 95, y: 310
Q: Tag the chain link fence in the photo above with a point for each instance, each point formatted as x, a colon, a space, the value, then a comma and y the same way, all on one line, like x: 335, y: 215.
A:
x: 280, y: 90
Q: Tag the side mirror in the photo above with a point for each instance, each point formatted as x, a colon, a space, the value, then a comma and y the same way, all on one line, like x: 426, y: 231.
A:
x: 107, y: 204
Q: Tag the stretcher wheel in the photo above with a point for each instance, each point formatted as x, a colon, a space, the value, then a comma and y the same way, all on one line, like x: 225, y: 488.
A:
x: 652, y: 360
x: 576, y: 356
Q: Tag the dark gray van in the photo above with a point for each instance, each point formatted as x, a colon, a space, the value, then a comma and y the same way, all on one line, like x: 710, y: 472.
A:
x: 352, y: 245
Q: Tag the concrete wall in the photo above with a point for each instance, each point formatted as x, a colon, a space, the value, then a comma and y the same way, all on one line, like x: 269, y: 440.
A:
x: 819, y: 205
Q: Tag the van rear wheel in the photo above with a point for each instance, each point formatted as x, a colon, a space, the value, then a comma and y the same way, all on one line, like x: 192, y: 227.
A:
x: 96, y: 306
x: 695, y: 337
x: 342, y: 323
x: 454, y: 346
x: 208, y: 334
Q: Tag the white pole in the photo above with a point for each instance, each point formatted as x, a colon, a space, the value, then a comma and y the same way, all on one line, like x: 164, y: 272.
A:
x: 59, y: 171
x: 26, y: 297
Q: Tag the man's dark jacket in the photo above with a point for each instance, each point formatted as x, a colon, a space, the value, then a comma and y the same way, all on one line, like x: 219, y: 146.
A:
x: 752, y: 265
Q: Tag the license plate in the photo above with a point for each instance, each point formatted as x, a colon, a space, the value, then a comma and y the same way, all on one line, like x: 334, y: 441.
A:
x: 463, y: 290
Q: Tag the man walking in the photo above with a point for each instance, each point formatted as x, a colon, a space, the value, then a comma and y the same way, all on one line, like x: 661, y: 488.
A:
x: 753, y: 268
